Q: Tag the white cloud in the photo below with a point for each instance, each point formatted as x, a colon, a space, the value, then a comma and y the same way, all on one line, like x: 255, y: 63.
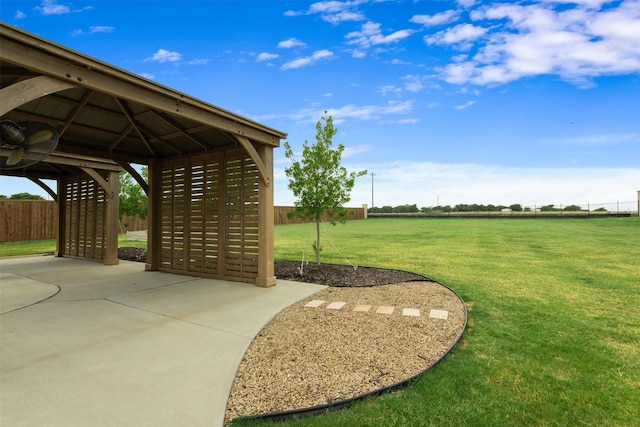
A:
x: 466, y: 3
x: 199, y: 61
x: 292, y: 42
x: 20, y: 15
x: 465, y: 105
x: 369, y: 112
x: 344, y: 16
x: 598, y: 139
x: 101, y: 29
x: 333, y: 11
x: 413, y: 83
x: 163, y: 55
x: 265, y: 56
x: 349, y: 111
x: 371, y: 35
x: 458, y: 34
x: 354, y: 151
x: 388, y: 89
x: 308, y: 60
x: 337, y: 11
x: 51, y: 7
x: 437, y: 19
x: 577, y: 41
x: 399, y: 183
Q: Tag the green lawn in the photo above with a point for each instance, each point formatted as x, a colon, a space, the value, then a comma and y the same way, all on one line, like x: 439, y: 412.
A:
x: 48, y: 246
x: 554, y: 321
x: 554, y: 326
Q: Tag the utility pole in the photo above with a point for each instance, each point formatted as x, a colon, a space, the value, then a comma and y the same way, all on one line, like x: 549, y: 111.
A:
x: 372, y: 175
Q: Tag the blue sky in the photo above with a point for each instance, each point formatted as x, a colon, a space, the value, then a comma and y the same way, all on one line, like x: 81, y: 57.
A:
x: 531, y: 102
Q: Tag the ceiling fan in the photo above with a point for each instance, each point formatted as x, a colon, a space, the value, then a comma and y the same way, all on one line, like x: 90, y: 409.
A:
x: 24, y: 144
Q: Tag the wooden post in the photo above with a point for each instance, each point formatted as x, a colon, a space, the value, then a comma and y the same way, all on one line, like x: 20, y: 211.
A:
x: 111, y: 219
x: 154, y: 227
x: 61, y: 236
x: 266, y: 276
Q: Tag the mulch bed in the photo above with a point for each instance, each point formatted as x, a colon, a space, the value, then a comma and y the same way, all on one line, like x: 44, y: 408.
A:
x: 323, y: 274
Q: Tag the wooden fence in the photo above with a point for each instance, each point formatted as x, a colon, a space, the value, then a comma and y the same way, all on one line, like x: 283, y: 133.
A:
x: 27, y: 220
x: 22, y: 220
x: 36, y: 219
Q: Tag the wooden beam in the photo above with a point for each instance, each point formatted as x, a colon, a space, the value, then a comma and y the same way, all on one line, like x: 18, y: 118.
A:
x: 134, y: 173
x: 27, y: 90
x: 45, y: 187
x: 108, y: 187
x: 65, y: 159
x: 98, y: 154
x: 262, y: 168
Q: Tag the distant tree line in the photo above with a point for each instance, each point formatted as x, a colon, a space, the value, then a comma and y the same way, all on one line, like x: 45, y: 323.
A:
x: 473, y: 208
x: 21, y: 196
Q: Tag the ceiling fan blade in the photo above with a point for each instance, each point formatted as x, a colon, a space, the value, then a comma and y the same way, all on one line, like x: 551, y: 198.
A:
x: 15, y: 157
x: 40, y: 136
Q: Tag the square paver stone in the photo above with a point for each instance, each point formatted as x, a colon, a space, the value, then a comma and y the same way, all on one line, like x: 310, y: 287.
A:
x: 439, y: 314
x: 314, y: 304
x: 385, y: 309
x: 336, y: 305
x: 411, y: 312
x: 363, y: 308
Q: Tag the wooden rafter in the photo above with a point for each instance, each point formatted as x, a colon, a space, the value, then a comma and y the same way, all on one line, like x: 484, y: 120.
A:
x: 159, y: 138
x: 120, y: 137
x: 76, y: 110
x: 129, y: 117
x: 181, y: 130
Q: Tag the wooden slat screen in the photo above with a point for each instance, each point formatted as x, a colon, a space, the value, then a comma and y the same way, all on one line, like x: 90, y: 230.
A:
x: 209, y: 215
x: 241, y: 216
x: 84, y: 213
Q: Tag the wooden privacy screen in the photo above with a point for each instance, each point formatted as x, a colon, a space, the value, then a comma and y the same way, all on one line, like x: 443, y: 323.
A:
x: 209, y: 215
x: 85, y: 211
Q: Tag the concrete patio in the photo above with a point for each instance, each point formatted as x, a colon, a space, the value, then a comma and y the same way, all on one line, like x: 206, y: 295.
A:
x: 82, y: 343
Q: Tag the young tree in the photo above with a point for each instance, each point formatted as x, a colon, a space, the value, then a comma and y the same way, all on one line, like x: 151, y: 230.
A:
x: 319, y: 182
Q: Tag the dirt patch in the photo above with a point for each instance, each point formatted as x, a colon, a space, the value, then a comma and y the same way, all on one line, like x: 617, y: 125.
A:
x: 132, y: 254
x: 341, y: 275
x: 323, y: 274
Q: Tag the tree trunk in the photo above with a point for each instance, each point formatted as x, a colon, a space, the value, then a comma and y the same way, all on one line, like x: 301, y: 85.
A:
x: 318, y: 240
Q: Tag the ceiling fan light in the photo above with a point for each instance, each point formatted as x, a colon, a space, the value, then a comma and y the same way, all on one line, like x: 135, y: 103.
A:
x: 15, y: 157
